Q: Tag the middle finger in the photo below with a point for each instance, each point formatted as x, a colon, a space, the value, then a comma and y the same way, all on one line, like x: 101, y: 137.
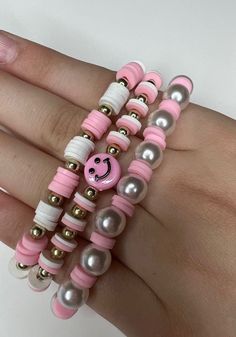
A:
x: 40, y: 117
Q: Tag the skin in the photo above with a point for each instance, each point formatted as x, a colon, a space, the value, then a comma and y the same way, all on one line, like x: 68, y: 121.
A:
x: 174, y: 266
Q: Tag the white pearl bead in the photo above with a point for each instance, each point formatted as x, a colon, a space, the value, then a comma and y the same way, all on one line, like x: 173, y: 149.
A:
x: 162, y: 119
x: 150, y: 153
x: 132, y: 187
x: 110, y: 221
x: 95, y: 260
x: 179, y: 93
x: 72, y: 296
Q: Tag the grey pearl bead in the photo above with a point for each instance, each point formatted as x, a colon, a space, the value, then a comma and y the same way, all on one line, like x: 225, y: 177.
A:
x: 95, y: 260
x: 150, y: 153
x: 71, y: 296
x: 132, y: 187
x: 110, y: 221
x: 163, y: 119
x: 179, y: 93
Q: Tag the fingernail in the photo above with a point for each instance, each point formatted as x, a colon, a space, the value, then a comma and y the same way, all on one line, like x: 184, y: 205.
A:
x: 8, y: 49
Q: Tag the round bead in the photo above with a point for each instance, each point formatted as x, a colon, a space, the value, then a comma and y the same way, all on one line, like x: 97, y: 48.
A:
x: 132, y: 187
x: 95, y: 260
x: 149, y: 153
x: 162, y: 119
x: 102, y: 171
x: 72, y: 296
x: 178, y: 93
x: 17, y: 270
x: 110, y: 221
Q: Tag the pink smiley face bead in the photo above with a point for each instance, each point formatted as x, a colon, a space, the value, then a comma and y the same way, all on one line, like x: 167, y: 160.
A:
x: 102, y: 171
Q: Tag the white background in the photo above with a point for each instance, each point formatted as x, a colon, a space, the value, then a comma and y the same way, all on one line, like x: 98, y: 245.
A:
x: 197, y: 38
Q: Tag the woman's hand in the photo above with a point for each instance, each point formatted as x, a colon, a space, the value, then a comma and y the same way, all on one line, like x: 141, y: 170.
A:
x: 174, y: 267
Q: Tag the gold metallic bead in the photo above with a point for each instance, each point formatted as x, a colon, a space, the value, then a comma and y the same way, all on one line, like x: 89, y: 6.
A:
x: 124, y: 131
x: 142, y: 98
x: 57, y: 254
x: 134, y: 114
x: 68, y: 233
x: 37, y: 232
x: 113, y: 149
x: 42, y: 273
x: 123, y: 81
x: 78, y: 213
x: 90, y: 193
x: 55, y: 199
x: 21, y: 266
x: 105, y: 109
x: 72, y: 165
x: 87, y: 134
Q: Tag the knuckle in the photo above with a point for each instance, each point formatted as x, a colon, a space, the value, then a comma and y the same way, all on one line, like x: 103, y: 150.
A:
x: 59, y: 127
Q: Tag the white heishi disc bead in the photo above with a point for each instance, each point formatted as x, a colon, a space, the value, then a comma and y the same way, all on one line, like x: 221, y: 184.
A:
x: 47, y: 224
x: 115, y: 96
x: 17, y: 272
x: 47, y: 215
x: 53, y: 213
x: 72, y: 244
x: 79, y: 148
x: 132, y: 120
x: 36, y: 283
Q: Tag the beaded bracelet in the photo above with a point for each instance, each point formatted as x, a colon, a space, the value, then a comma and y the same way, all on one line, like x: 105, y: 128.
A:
x: 66, y: 179
x: 110, y: 221
x: 102, y: 172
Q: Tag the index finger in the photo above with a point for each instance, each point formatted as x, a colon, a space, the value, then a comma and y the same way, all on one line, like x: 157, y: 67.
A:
x: 78, y: 82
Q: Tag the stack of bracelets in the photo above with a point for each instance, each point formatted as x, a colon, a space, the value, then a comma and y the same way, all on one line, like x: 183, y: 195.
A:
x: 33, y: 259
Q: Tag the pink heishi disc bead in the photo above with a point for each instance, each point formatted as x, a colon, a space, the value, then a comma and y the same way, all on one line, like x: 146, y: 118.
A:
x: 64, y: 182
x: 28, y: 260
x: 34, y: 245
x: 80, y: 277
x: 102, y: 171
x: 84, y: 203
x: 156, y: 135
x: 132, y: 124
x: 75, y: 224
x: 50, y: 270
x: 171, y: 106
x: 102, y: 241
x: 140, y: 168
x: 148, y: 89
x: 114, y: 137
x: 97, y: 123
x: 133, y: 72
x: 60, y: 311
x: 183, y: 80
x: 20, y: 248
x: 123, y: 204
x: 154, y: 77
x: 137, y: 105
